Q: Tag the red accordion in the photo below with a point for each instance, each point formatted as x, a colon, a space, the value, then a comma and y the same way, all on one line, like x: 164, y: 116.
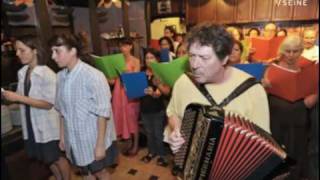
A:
x: 225, y: 147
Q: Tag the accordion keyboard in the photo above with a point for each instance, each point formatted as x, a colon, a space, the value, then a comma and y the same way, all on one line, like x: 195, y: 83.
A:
x: 187, y: 129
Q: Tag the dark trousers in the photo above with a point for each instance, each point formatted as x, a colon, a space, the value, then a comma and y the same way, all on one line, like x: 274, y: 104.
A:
x: 154, y: 126
x: 289, y: 126
x: 313, y: 153
x: 4, y: 169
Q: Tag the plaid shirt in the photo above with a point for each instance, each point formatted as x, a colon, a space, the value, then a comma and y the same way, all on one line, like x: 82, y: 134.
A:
x: 45, y: 123
x: 83, y: 95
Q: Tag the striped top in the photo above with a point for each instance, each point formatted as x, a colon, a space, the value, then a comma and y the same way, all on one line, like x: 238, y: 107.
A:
x: 83, y: 95
x: 45, y: 123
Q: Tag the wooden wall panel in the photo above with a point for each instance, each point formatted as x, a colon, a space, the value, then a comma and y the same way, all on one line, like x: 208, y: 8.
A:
x: 262, y: 10
x: 244, y: 11
x: 306, y: 12
x: 226, y: 11
x: 281, y: 12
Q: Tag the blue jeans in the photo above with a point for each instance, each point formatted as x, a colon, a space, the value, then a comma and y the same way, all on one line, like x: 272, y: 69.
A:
x: 154, y: 127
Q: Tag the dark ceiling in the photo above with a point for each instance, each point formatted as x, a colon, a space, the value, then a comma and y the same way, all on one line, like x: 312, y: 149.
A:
x: 81, y: 3
x: 77, y: 3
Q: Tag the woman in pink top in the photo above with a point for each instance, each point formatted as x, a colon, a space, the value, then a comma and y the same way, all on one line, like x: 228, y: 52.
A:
x: 126, y: 112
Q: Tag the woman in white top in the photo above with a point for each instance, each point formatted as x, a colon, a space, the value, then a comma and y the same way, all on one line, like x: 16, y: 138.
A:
x: 36, y: 96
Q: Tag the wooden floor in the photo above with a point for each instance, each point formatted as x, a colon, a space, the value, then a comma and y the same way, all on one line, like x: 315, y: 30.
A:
x: 129, y: 168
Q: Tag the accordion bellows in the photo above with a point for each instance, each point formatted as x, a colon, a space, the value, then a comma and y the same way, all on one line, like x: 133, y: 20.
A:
x: 225, y: 146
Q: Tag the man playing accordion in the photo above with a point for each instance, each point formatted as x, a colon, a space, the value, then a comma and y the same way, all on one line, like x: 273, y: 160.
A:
x: 209, y: 47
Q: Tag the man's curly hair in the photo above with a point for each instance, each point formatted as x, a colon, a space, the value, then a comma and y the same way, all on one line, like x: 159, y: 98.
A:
x: 209, y: 34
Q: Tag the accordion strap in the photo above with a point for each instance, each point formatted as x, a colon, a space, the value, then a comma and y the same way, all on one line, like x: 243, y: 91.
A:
x: 235, y: 93
x: 206, y: 94
x: 239, y: 90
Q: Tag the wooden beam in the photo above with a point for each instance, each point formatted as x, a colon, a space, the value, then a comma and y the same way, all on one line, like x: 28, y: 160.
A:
x: 125, y: 18
x: 43, y: 28
x: 70, y: 18
x: 148, y: 20
x: 94, y: 28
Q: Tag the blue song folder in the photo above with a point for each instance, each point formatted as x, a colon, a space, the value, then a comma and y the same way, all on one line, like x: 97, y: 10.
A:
x: 255, y: 69
x: 134, y: 84
x: 164, y: 55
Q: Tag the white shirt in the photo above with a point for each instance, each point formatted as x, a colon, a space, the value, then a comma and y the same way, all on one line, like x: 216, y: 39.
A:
x: 312, y: 54
x: 83, y: 95
x: 45, y: 123
x: 171, y: 56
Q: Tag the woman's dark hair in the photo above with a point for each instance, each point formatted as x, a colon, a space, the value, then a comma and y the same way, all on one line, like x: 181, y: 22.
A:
x: 239, y: 44
x: 171, y: 47
x: 171, y: 29
x: 85, y: 41
x: 69, y: 41
x: 126, y: 40
x: 254, y: 29
x: 34, y: 43
x: 183, y: 35
x: 283, y: 30
x: 179, y: 45
x: 72, y: 41
x: 212, y: 35
x: 152, y: 51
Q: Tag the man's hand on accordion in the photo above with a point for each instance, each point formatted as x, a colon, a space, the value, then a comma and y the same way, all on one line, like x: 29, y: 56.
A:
x: 175, y: 140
